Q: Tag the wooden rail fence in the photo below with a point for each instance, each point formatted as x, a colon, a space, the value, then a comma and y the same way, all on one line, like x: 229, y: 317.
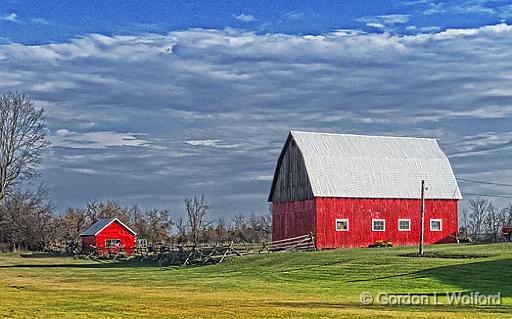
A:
x: 203, y: 255
x: 305, y: 242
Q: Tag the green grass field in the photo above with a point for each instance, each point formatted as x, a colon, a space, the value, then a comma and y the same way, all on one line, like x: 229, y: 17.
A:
x: 324, y: 284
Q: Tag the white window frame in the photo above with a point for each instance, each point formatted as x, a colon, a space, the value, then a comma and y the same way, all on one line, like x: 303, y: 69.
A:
x: 378, y: 220
x: 403, y: 220
x: 440, y: 223
x: 112, y: 240
x: 342, y: 220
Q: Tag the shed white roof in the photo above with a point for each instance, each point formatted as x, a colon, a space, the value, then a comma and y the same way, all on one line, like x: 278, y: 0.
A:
x: 101, y: 224
x: 345, y: 165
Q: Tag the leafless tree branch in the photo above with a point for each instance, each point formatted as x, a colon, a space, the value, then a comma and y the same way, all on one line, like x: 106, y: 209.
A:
x: 23, y: 140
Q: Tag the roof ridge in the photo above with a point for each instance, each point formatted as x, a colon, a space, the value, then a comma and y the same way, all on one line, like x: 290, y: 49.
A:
x: 364, y: 135
x: 390, y: 158
x: 101, y: 224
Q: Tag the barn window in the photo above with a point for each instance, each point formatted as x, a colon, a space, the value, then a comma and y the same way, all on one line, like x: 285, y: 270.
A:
x: 113, y: 242
x: 378, y: 225
x: 404, y: 224
x: 436, y: 225
x: 341, y: 224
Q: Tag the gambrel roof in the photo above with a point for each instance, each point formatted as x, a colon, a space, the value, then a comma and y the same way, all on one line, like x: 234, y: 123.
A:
x: 360, y: 166
x: 101, y: 224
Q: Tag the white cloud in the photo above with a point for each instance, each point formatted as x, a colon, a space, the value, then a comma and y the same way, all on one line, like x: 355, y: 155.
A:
x: 202, y: 142
x: 40, y: 21
x: 478, y: 9
x: 62, y: 132
x: 376, y: 25
x: 12, y: 17
x: 96, y: 140
x: 244, y: 17
x: 474, y: 7
x: 294, y: 15
x: 385, y: 22
x: 211, y: 143
x: 482, y: 144
x: 87, y: 171
x: 394, y: 18
x: 219, y: 103
x: 434, y: 8
x: 505, y: 11
x: 430, y: 29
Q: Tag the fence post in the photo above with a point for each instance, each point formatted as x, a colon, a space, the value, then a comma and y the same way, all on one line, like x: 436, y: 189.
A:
x: 312, y: 238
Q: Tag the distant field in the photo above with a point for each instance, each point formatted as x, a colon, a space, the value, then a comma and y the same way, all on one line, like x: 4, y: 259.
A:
x: 325, y: 284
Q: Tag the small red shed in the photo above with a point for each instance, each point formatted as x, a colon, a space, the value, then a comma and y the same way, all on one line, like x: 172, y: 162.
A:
x: 354, y: 190
x: 109, y: 236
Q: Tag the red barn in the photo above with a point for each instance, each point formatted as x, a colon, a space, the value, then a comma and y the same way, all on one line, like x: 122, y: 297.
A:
x: 109, y: 236
x: 353, y: 190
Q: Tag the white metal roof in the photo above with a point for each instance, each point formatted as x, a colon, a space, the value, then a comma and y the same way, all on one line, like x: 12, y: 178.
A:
x: 101, y: 224
x: 345, y: 165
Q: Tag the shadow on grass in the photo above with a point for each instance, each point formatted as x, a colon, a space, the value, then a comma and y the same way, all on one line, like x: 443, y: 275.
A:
x: 98, y: 264
x: 415, y: 308
x: 44, y: 255
x: 486, y: 277
x: 444, y: 255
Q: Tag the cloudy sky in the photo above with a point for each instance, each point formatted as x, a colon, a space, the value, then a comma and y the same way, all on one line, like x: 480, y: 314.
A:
x: 150, y: 102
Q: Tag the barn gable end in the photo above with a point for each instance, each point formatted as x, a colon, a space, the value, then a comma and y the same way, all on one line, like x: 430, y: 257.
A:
x: 291, y: 181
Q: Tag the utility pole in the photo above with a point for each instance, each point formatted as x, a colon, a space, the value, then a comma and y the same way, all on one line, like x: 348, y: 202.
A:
x: 422, y: 220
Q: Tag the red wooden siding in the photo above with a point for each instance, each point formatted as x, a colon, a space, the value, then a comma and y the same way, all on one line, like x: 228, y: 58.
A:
x: 88, y: 241
x: 360, y: 213
x: 292, y: 219
x: 113, y: 231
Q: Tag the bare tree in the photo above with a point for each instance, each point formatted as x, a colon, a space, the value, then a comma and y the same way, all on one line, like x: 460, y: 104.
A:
x: 239, y: 227
x: 494, y: 221
x: 71, y: 224
x: 181, y: 237
x: 23, y: 140
x: 153, y: 225
x: 108, y: 209
x: 26, y: 219
x: 196, y: 209
x: 464, y: 229
x: 253, y: 228
x: 507, y: 215
x: 221, y: 233
x: 479, y: 209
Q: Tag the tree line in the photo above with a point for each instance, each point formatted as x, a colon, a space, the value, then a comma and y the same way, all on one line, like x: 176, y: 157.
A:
x: 28, y: 222
x: 482, y: 221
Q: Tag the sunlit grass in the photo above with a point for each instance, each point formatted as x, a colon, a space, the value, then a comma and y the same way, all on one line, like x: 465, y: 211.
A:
x: 300, y: 285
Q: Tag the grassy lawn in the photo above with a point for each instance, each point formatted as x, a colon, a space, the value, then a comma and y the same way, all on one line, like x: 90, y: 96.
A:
x: 325, y: 284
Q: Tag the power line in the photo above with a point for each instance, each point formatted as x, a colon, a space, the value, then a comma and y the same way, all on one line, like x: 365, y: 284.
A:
x: 484, y: 195
x: 487, y: 183
x: 482, y: 182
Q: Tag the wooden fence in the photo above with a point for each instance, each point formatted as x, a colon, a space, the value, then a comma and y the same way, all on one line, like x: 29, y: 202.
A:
x: 186, y: 255
x: 305, y: 242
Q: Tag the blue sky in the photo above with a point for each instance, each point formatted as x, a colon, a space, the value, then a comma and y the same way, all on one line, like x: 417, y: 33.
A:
x: 40, y: 22
x: 148, y: 102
